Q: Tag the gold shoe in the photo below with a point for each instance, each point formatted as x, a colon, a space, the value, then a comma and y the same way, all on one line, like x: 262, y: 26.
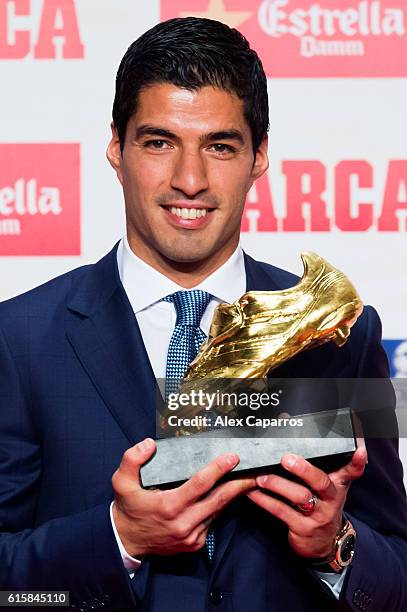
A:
x: 263, y: 329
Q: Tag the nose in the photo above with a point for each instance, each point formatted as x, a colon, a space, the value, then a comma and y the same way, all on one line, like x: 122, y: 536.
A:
x: 189, y: 174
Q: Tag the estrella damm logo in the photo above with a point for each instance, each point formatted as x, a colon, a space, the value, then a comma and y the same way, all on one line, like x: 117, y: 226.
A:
x: 39, y: 199
x: 307, y: 38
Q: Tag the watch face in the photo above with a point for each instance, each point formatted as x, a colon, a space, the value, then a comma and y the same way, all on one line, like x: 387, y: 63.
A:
x: 347, y: 548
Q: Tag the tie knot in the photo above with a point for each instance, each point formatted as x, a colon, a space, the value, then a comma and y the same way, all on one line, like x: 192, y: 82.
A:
x: 189, y: 305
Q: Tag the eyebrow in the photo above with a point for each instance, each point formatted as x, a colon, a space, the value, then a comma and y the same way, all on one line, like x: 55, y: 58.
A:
x: 152, y: 130
x: 223, y: 135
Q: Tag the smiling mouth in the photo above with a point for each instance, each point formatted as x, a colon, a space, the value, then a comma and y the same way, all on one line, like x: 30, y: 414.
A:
x: 188, y: 213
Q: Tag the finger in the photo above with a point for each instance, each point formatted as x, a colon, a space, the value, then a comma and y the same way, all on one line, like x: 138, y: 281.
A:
x: 132, y: 460
x: 353, y: 470
x: 203, y: 480
x: 358, y: 428
x: 292, y: 491
x: 196, y: 540
x: 315, y: 478
x: 220, y: 497
x: 280, y: 510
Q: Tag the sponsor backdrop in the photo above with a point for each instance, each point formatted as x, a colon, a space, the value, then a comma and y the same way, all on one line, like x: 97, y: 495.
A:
x: 337, y: 182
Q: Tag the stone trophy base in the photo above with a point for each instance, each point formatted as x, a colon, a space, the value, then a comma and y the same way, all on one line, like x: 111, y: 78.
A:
x: 327, y: 438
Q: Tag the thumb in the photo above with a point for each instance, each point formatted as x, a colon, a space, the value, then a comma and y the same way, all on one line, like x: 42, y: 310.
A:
x: 353, y: 470
x: 134, y: 458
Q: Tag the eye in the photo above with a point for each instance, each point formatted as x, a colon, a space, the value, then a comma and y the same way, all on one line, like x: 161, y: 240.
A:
x: 222, y: 148
x: 156, y: 144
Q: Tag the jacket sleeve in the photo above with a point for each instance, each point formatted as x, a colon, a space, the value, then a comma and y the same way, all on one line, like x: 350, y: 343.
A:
x: 76, y: 553
x: 376, y: 504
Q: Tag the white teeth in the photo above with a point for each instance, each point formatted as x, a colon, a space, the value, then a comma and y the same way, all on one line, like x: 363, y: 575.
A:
x: 188, y: 213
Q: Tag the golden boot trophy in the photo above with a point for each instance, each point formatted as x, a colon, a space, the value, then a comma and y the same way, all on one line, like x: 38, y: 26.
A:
x: 248, y: 339
x: 263, y: 329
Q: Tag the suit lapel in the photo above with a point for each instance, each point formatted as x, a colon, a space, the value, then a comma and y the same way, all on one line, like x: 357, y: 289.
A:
x: 106, y: 338
x: 257, y: 277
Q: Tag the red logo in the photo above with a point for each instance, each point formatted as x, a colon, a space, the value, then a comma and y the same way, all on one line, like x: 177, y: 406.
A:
x: 307, y: 38
x: 307, y: 208
x: 39, y: 199
x: 51, y: 33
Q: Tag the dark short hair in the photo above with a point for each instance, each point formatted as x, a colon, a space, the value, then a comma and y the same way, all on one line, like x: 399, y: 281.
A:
x: 192, y: 53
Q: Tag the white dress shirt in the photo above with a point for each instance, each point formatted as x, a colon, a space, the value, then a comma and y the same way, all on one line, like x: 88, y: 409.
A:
x: 145, y: 287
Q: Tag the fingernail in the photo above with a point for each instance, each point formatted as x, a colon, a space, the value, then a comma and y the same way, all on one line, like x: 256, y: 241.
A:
x: 232, y: 459
x: 289, y: 461
x: 262, y: 480
x: 146, y: 445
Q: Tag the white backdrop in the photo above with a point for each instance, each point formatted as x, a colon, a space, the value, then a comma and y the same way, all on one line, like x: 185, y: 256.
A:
x: 343, y: 111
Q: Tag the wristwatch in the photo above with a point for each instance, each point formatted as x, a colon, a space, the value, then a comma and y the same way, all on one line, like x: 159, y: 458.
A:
x: 342, y: 551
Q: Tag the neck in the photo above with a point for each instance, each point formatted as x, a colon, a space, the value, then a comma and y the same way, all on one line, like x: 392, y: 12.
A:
x: 185, y: 274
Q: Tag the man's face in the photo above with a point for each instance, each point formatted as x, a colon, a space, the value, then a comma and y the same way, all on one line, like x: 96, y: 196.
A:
x: 186, y: 167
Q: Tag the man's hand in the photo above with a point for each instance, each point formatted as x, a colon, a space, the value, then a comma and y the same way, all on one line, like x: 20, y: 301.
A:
x: 310, y: 535
x: 169, y: 522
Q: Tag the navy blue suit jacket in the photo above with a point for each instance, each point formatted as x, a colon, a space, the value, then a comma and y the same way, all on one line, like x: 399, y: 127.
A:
x: 77, y: 390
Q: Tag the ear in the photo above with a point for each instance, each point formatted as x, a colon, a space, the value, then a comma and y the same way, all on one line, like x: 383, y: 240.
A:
x: 114, y: 154
x: 261, y: 161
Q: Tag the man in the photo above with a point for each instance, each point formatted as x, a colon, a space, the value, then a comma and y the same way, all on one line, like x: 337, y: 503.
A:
x: 78, y: 362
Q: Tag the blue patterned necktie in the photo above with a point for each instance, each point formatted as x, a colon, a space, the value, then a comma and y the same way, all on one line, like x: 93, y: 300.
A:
x: 183, y: 348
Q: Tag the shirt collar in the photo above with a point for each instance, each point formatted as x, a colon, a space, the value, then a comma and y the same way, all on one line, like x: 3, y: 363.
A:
x: 145, y: 286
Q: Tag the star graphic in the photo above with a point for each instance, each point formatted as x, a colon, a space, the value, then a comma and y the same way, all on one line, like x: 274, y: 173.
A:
x: 216, y: 10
